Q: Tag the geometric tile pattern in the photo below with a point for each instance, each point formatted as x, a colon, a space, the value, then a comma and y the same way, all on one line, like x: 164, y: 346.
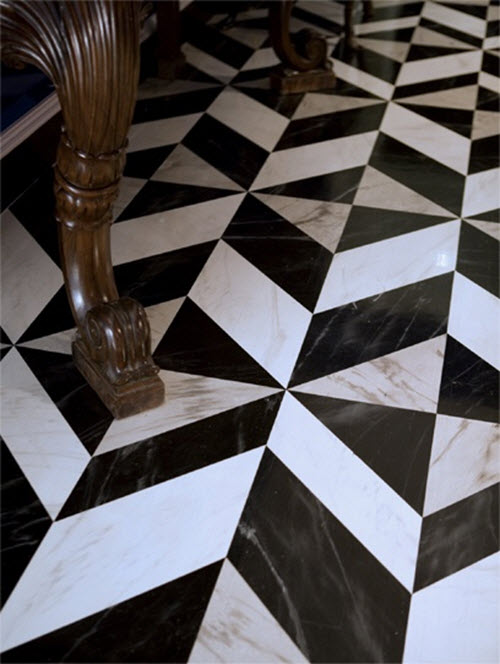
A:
x: 321, y: 276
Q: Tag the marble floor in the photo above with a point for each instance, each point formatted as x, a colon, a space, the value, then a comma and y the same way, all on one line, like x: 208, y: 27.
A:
x: 321, y: 276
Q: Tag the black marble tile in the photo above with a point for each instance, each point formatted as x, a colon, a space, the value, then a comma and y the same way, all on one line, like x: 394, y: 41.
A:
x: 321, y: 22
x: 449, y: 31
x: 157, y: 626
x: 365, y: 225
x: 395, y: 442
x: 331, y: 125
x: 195, y: 344
x: 54, y: 317
x: 470, y: 8
x: 283, y: 104
x: 487, y: 100
x: 157, y: 108
x: 456, y: 119
x: 251, y: 75
x: 162, y: 457
x: 469, y: 385
x: 4, y: 351
x: 211, y: 139
x: 396, y: 34
x: 158, y: 196
x: 285, y: 254
x: 438, y: 85
x: 491, y: 64
x: 493, y: 29
x: 213, y: 42
x: 373, y: 327
x: 427, y: 177
x: 458, y: 536
x: 421, y: 52
x: 339, y: 187
x: 345, y: 88
x: 143, y: 163
x: 484, y: 153
x: 24, y: 522
x: 478, y: 258
x: 4, y: 339
x: 332, y: 596
x: 368, y: 61
x: 396, y: 10
x: 78, y: 403
x: 491, y: 215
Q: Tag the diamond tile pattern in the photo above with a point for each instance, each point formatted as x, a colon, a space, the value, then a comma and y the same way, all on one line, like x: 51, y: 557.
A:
x: 321, y: 275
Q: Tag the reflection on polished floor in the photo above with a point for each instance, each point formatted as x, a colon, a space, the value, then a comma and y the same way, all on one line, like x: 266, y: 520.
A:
x: 321, y: 276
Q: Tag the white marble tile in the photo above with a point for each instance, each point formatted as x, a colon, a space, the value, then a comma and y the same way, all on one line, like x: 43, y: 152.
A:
x: 489, y: 82
x: 253, y: 37
x: 172, y: 229
x: 491, y: 228
x: 465, y: 459
x: 189, y: 398
x: 127, y: 191
x: 29, y: 277
x: 59, y: 342
x: 454, y: 18
x: 425, y: 37
x: 408, y: 378
x: 185, y: 167
x: 456, y: 619
x: 378, y: 190
x: 481, y: 193
x: 307, y: 161
x: 249, y: 118
x: 493, y: 13
x: 208, y: 64
x: 461, y: 98
x: 118, y: 550
x: 362, y: 79
x: 264, y: 57
x: 394, y: 50
x: 321, y: 220
x: 238, y: 627
x: 315, y: 103
x: 158, y: 87
x: 146, y: 135
x: 474, y: 319
x: 373, y: 512
x: 160, y: 316
x: 443, y: 66
x: 438, y: 142
x: 261, y: 317
x: 332, y: 11
x: 42, y: 442
x: 492, y: 42
x: 388, y: 264
x: 389, y: 24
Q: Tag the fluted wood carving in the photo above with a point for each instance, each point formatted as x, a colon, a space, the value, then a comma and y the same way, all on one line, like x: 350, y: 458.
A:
x: 90, y: 50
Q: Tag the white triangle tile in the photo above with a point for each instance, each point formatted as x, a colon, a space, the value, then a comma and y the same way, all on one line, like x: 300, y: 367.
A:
x: 373, y: 512
x: 258, y: 83
x: 153, y: 134
x: 160, y: 317
x: 425, y: 37
x: 238, y: 627
x: 465, y: 459
x: 315, y: 103
x: 172, y: 229
x: 362, y: 79
x: 462, y: 98
x: 242, y: 300
x: 321, y: 220
x: 106, y: 555
x: 158, y: 87
x: 253, y: 37
x: 264, y: 57
x: 491, y: 228
x: 456, y: 618
x: 41, y: 441
x: 185, y: 167
x: 489, y: 82
x: 443, y: 66
x: 486, y: 123
x: 208, y: 64
x: 454, y: 18
x: 367, y: 27
x: 377, y: 190
x: 29, y: 277
x: 59, y: 342
x: 408, y: 378
x: 491, y: 43
x: 391, y: 49
x: 127, y: 191
x: 481, y: 193
x: 188, y: 398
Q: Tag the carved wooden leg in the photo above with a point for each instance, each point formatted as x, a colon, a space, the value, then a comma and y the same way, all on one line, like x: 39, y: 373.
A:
x: 170, y: 57
x: 90, y: 50
x: 306, y: 65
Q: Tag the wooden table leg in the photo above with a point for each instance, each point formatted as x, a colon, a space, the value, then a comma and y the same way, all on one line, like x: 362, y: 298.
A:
x: 170, y: 57
x: 305, y: 61
x: 90, y: 50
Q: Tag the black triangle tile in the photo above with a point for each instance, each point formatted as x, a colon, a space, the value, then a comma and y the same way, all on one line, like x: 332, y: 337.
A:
x: 487, y: 100
x: 491, y: 215
x: 4, y: 351
x: 214, y: 43
x: 373, y: 327
x: 162, y: 457
x: 159, y: 625
x: 158, y: 196
x: 348, y: 89
x: 339, y: 187
x: 4, y: 339
x: 195, y: 344
x: 284, y: 537
x: 478, y: 258
x: 394, y: 159
x: 54, y: 317
x: 394, y: 34
x: 317, y: 20
x: 493, y: 29
x: 332, y: 125
x: 449, y: 31
x: 469, y: 385
x: 285, y: 254
x: 477, y: 10
x: 190, y: 73
x: 435, y: 86
x: 157, y: 108
x: 365, y: 225
x: 76, y: 400
x: 396, y: 10
x: 491, y: 64
x: 420, y: 52
x: 209, y: 139
x: 143, y: 163
x: 24, y: 522
x: 283, y: 104
x: 458, y: 536
x: 396, y: 443
x: 484, y: 154
x: 456, y: 119
x: 370, y: 62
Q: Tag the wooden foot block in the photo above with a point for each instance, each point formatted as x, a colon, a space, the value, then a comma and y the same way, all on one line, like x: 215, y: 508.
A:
x: 287, y: 81
x: 169, y: 68
x: 122, y: 400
